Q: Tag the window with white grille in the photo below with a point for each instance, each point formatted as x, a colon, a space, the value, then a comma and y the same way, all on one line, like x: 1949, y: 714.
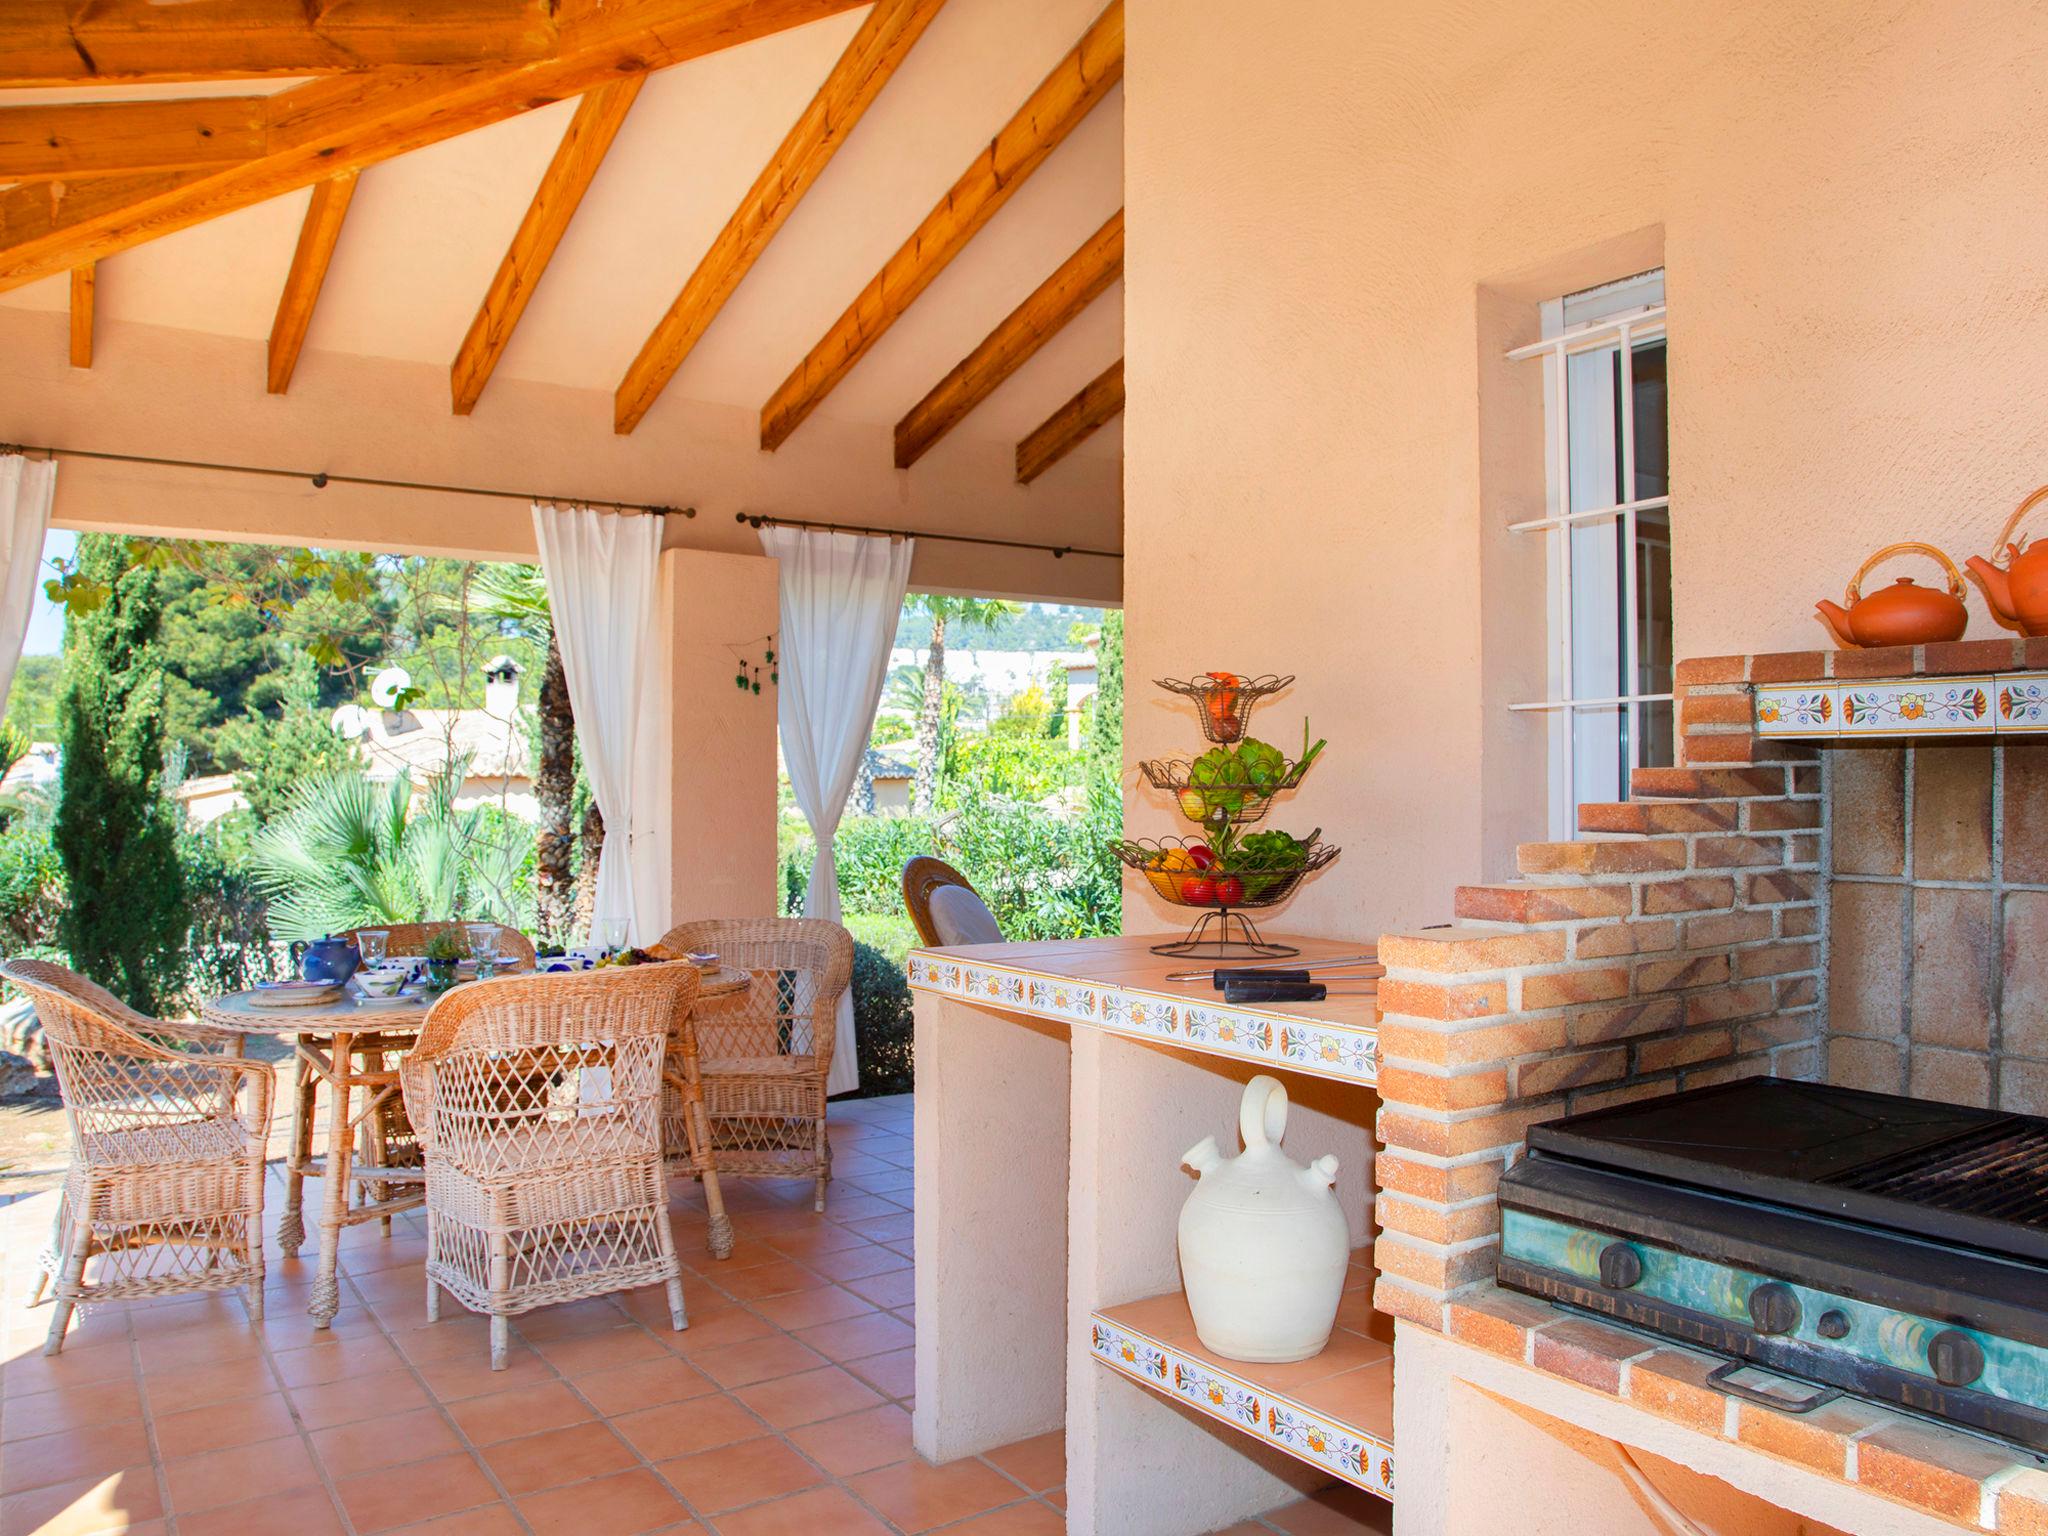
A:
x: 1607, y: 531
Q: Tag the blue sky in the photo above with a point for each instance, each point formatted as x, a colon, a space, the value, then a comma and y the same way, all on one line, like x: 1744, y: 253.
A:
x: 46, y: 619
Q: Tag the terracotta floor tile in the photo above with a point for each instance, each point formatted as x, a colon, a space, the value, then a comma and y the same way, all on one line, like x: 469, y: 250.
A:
x: 918, y: 1496
x: 679, y: 1429
x: 763, y: 1359
x: 581, y: 1354
x: 632, y: 1387
x: 722, y: 1330
x: 488, y: 1520
x: 623, y: 1505
x: 789, y: 1401
x: 898, y: 1288
x: 1038, y: 1463
x: 302, y: 1512
x: 893, y: 1374
x: 85, y: 1507
x: 777, y: 1278
x: 384, y: 1441
x: 222, y: 1425
x: 746, y: 1473
x: 418, y: 1491
x: 67, y: 1457
x: 1031, y: 1518
x: 71, y: 1408
x: 872, y: 1333
x: 851, y: 1210
x: 804, y: 1514
x: 171, y: 1391
x: 810, y: 1309
x: 240, y: 1472
x: 458, y: 1337
x: 343, y: 1402
x: 1336, y: 1511
x: 556, y: 1457
x: 462, y: 1376
x: 520, y: 1411
x: 79, y: 1363
x: 857, y: 1442
x: 858, y: 1262
x: 569, y: 1320
x: 813, y: 1241
x: 338, y: 1360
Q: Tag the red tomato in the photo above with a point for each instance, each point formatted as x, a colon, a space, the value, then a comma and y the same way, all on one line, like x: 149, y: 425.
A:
x: 1199, y: 892
x: 1201, y: 854
x: 1229, y: 891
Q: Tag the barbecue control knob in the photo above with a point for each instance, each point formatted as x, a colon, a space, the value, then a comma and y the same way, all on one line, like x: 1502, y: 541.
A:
x: 1774, y: 1308
x: 1833, y: 1324
x: 1955, y: 1358
x: 1621, y: 1267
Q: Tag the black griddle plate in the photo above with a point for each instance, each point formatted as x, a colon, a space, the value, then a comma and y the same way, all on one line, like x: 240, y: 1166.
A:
x: 1835, y: 1151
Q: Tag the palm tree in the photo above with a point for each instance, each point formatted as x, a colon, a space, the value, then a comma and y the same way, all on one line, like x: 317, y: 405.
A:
x: 518, y: 595
x: 967, y: 613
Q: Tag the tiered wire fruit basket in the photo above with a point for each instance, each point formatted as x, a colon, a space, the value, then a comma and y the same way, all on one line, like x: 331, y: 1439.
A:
x: 1227, y: 870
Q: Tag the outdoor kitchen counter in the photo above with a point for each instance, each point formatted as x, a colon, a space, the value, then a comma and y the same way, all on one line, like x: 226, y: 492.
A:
x: 1059, y: 1086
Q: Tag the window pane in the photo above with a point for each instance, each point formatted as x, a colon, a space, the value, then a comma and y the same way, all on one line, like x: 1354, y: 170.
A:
x: 1599, y: 753
x: 1653, y: 453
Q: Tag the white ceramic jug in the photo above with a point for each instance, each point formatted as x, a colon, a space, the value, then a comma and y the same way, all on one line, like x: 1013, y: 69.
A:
x: 1263, y: 1241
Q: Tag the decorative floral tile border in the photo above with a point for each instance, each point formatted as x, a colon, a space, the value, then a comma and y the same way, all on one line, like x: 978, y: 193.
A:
x: 1361, y: 1459
x: 1299, y: 1045
x: 1940, y: 706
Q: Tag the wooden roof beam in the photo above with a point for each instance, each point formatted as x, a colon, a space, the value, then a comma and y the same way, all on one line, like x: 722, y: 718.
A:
x: 105, y: 138
x: 317, y: 239
x: 83, y: 281
x: 330, y: 126
x: 1062, y: 100
x: 75, y: 42
x: 589, y: 135
x: 1081, y: 279
x: 1100, y: 399
x: 883, y: 42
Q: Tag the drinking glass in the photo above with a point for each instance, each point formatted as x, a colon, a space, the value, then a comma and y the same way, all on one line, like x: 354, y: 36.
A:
x: 371, y: 944
x: 613, y: 934
x: 483, y: 947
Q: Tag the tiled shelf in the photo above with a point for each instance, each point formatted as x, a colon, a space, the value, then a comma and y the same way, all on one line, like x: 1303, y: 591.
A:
x: 1118, y: 985
x: 1335, y: 1412
x: 2009, y: 703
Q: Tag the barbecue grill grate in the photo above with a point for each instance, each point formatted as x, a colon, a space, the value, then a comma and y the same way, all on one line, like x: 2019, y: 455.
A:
x: 1999, y: 1172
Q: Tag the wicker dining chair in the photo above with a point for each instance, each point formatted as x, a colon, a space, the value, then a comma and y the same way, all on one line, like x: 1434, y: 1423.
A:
x: 945, y: 906
x: 385, y: 1139
x: 767, y: 1051
x: 167, y: 1150
x: 538, y: 1101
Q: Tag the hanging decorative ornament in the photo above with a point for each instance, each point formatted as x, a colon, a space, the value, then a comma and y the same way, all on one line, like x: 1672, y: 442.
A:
x: 748, y: 678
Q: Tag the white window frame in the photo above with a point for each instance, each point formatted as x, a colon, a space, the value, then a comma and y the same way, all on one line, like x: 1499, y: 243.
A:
x: 1620, y: 331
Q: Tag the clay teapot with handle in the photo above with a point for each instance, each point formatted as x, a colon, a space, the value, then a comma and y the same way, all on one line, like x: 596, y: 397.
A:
x: 1903, y: 613
x: 2017, y: 594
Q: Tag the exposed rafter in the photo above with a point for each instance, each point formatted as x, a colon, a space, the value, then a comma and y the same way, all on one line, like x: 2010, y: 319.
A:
x: 883, y: 42
x: 1062, y: 100
x: 83, y: 281
x: 317, y: 239
x: 104, y: 41
x: 101, y: 138
x: 1068, y: 427
x: 569, y: 174
x: 1081, y: 279
x: 329, y: 126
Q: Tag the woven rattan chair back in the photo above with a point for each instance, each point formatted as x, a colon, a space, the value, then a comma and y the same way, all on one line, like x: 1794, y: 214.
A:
x: 538, y: 1100
x: 767, y: 1051
x: 165, y: 1187
x: 411, y: 938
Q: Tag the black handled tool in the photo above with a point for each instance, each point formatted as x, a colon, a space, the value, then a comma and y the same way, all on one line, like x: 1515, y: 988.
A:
x: 1286, y: 992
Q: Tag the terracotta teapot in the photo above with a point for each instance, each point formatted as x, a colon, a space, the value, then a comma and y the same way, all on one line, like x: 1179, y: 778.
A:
x: 1902, y: 613
x: 2018, y: 594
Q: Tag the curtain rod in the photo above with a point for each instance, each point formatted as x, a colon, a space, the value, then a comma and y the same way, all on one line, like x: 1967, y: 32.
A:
x: 1057, y: 551
x: 321, y: 478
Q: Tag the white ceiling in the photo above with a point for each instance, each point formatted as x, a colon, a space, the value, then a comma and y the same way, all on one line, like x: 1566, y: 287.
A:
x: 426, y: 231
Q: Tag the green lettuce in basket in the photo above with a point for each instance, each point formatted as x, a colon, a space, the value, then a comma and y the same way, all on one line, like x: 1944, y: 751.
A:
x: 1266, y: 859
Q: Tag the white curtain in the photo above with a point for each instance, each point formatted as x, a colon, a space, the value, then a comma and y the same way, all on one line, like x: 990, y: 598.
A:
x: 841, y: 594
x: 27, y: 487
x: 601, y: 570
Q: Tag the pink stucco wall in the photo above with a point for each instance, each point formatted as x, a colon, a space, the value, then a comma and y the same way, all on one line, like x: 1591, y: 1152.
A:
x: 1338, y: 223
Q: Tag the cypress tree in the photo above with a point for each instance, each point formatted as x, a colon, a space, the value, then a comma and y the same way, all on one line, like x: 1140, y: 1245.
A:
x: 125, y: 918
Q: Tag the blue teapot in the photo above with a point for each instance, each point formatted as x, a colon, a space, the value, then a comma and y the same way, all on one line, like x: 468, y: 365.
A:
x: 329, y: 959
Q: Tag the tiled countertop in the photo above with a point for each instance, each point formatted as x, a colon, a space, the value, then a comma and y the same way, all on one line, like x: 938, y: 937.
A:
x: 1119, y: 985
x: 1968, y: 1480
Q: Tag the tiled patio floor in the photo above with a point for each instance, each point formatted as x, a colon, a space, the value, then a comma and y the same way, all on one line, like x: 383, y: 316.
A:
x: 783, y: 1408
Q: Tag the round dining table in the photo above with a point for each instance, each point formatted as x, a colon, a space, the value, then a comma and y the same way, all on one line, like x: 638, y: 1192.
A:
x: 353, y: 1042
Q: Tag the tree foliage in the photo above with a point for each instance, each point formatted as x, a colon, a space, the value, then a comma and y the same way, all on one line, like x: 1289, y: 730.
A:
x: 125, y: 919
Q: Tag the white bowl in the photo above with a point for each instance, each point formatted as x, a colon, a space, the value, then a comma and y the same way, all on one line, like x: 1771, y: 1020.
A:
x: 379, y: 983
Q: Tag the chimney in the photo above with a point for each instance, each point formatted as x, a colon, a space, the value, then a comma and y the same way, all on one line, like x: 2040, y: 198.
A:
x: 501, y: 688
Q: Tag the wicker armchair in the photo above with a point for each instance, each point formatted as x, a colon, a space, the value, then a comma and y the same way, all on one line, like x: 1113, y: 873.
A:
x: 538, y: 1100
x: 767, y: 1051
x: 167, y: 1150
x: 386, y: 1139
